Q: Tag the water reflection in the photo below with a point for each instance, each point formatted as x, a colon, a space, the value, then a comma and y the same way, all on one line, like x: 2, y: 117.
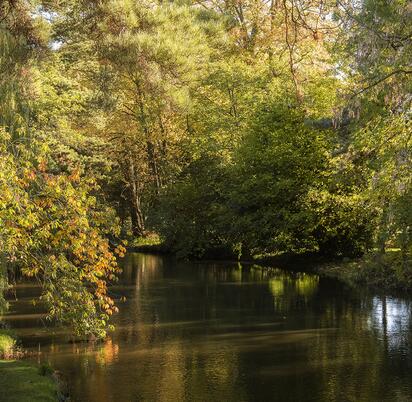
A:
x: 390, y: 319
x: 221, y: 332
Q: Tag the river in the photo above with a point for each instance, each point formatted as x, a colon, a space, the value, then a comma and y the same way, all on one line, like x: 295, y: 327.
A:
x: 224, y: 332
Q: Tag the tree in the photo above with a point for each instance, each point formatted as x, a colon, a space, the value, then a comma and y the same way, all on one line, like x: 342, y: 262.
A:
x: 377, y: 47
x: 150, y: 56
x: 50, y: 225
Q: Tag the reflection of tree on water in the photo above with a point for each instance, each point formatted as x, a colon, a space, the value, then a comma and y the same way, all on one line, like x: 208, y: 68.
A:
x: 287, y: 287
x: 337, y: 359
x: 391, y: 320
x: 108, y: 353
x: 371, y: 338
x: 241, y: 332
x: 157, y: 331
x: 302, y: 284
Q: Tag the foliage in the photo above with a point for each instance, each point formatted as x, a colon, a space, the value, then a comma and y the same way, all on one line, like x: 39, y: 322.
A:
x: 51, y: 230
x: 7, y: 344
x: 51, y: 227
x: 192, y: 214
x: 388, y: 170
x: 263, y: 174
x: 278, y: 162
x: 253, y: 127
x: 374, y: 271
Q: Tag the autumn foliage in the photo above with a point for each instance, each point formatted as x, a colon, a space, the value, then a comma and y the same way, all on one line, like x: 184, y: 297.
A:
x: 51, y: 230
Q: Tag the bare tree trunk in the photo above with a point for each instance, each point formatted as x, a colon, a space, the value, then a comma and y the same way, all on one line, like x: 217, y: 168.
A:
x: 273, y: 9
x: 291, y: 35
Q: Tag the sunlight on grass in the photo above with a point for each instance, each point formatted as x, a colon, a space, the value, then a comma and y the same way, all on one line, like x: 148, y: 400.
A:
x: 21, y: 382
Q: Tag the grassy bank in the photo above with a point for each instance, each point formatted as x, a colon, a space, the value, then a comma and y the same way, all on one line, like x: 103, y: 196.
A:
x: 21, y: 381
x: 384, y: 272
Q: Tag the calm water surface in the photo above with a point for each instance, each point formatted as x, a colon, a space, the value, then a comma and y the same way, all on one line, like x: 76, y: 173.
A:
x: 223, y: 332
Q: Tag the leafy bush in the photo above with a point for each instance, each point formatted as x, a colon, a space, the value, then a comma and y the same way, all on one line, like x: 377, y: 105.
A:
x: 7, y: 345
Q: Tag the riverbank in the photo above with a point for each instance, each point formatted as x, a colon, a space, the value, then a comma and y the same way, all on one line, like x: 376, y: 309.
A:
x: 151, y: 244
x: 21, y: 381
x: 384, y: 273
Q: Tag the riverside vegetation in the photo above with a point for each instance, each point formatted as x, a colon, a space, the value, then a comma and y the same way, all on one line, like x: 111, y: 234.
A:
x: 20, y: 381
x: 255, y: 127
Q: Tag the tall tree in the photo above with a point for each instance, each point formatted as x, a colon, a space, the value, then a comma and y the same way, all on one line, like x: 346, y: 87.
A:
x: 50, y: 225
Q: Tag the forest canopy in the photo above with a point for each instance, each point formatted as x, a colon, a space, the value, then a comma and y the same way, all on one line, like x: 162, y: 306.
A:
x: 259, y: 127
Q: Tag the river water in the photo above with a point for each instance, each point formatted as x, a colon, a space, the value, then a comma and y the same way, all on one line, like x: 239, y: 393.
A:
x: 224, y: 332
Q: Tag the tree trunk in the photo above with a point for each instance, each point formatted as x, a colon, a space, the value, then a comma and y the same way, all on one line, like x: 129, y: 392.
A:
x: 154, y: 170
x: 150, y: 148
x: 404, y: 247
x: 135, y: 203
x: 383, y: 230
x: 137, y: 217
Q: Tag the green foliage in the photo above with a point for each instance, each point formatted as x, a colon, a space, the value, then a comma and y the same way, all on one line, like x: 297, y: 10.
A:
x: 373, y: 270
x: 192, y: 214
x: 262, y: 178
x: 278, y: 194
x: 51, y: 227
x: 279, y: 161
x: 378, y: 44
x: 388, y: 168
x: 255, y: 127
x: 7, y: 344
x: 342, y: 224
x: 45, y: 370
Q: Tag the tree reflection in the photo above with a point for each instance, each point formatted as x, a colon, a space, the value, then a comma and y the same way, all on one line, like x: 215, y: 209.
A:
x: 231, y: 332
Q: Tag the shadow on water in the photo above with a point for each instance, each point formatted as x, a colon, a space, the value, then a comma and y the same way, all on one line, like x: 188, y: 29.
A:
x: 226, y: 332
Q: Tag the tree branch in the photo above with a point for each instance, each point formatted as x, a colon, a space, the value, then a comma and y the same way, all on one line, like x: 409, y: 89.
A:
x: 380, y: 80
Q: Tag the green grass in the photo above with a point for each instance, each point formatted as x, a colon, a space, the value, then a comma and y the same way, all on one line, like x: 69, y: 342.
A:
x: 22, y: 382
x: 19, y: 380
